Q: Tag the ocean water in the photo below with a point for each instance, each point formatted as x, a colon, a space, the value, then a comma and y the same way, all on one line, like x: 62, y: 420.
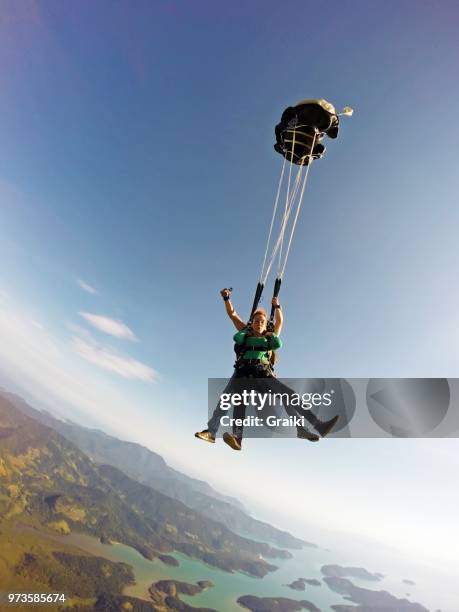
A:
x: 428, y: 591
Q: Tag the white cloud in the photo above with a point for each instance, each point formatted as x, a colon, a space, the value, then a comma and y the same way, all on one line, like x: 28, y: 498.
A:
x: 87, y: 287
x: 127, y: 367
x: 49, y: 374
x: 107, y: 325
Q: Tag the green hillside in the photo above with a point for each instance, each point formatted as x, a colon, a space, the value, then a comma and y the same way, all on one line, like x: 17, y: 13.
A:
x: 49, y: 485
x: 150, y: 469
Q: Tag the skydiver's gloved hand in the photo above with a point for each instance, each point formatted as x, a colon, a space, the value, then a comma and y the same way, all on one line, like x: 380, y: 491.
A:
x: 225, y: 293
x: 275, y: 302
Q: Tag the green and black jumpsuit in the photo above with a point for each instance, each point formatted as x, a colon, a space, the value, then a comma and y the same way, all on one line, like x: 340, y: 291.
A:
x: 254, y: 362
x: 254, y: 354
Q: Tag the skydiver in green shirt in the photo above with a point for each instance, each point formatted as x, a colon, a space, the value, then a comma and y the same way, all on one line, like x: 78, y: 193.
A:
x: 256, y: 347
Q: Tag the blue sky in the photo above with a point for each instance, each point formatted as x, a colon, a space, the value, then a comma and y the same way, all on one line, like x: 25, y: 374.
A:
x: 137, y: 160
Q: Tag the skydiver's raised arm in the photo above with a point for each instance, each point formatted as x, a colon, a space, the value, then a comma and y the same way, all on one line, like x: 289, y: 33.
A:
x: 278, y: 316
x: 235, y: 318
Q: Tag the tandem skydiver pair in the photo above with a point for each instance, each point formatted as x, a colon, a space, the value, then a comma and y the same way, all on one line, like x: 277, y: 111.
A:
x: 254, y: 367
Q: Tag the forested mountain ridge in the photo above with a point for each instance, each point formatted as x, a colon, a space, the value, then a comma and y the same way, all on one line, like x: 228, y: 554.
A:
x: 147, y: 467
x: 46, y: 481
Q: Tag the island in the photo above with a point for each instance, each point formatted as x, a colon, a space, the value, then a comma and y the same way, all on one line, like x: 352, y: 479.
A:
x: 297, y: 585
x: 166, y: 594
x: 312, y: 581
x: 275, y: 604
x: 205, y: 584
x: 300, y: 583
x: 369, y: 599
x: 168, y: 560
x: 338, y: 571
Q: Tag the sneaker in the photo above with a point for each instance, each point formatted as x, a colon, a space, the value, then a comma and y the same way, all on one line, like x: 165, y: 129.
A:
x: 325, y: 427
x: 231, y: 440
x: 305, y: 434
x: 205, y: 435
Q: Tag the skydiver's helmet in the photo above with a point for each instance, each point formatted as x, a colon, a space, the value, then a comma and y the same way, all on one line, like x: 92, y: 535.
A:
x: 301, y: 129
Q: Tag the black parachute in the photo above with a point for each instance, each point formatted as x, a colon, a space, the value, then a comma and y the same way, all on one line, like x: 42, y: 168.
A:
x: 301, y: 129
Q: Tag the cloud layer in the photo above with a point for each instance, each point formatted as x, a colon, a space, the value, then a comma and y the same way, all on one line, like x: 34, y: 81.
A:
x: 107, y: 325
x: 127, y: 367
x: 45, y: 367
x: 87, y: 287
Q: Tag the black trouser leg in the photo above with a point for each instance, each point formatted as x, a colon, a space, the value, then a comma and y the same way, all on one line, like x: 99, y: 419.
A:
x: 214, y: 422
x: 244, y: 382
x: 278, y: 387
x: 239, y: 413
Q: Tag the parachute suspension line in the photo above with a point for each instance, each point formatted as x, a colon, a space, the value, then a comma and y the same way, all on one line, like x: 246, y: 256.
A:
x: 289, y: 204
x: 288, y: 191
x: 293, y: 201
x: 284, y: 223
x: 298, y: 207
x: 290, y: 198
x: 264, y: 273
x: 276, y: 202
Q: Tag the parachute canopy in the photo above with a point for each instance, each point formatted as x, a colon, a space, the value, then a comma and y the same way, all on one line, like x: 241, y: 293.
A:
x: 301, y: 129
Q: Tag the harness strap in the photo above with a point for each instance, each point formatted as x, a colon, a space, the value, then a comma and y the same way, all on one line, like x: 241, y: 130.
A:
x: 242, y: 349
